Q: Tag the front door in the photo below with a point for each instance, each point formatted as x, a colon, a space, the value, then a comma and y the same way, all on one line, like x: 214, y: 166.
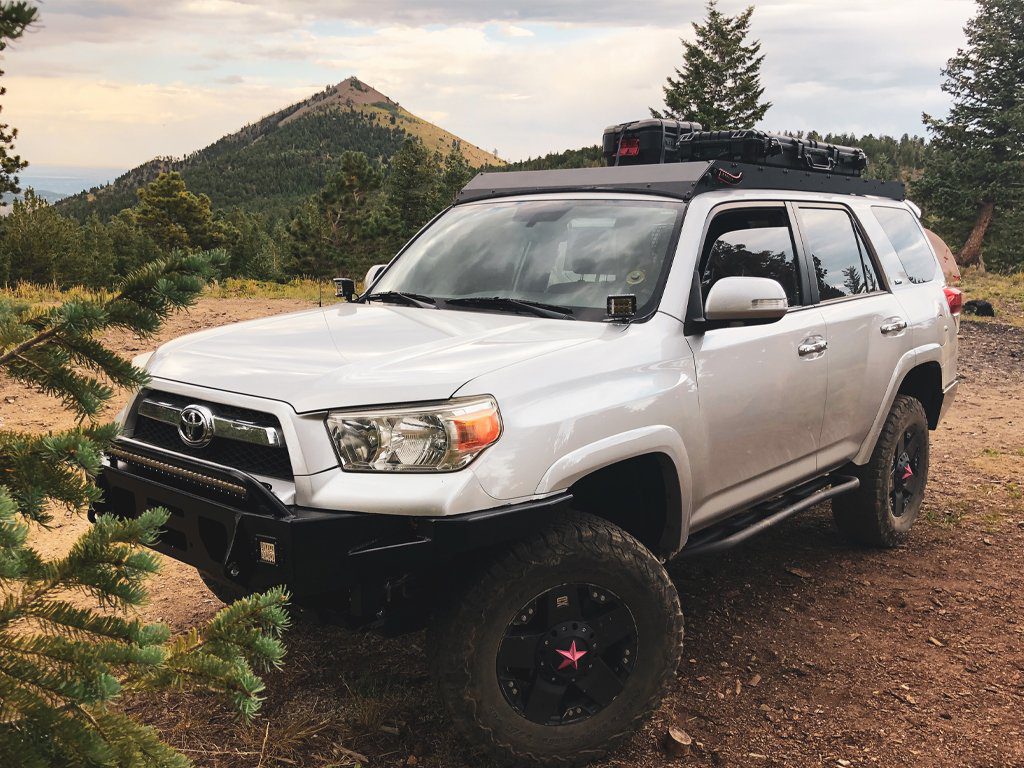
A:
x: 761, y: 387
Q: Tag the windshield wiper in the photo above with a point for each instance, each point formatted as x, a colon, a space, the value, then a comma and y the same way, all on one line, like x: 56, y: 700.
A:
x: 504, y: 302
x: 410, y: 299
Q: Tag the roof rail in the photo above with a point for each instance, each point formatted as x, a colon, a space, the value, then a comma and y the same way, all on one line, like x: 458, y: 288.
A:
x: 679, y: 180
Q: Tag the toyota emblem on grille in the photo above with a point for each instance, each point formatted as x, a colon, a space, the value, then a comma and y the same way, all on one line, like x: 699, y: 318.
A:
x: 195, y: 425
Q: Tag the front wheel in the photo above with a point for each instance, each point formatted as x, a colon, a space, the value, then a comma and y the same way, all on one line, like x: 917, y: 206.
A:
x: 881, y: 512
x: 561, y: 647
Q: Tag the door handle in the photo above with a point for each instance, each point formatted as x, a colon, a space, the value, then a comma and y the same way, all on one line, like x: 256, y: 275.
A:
x: 812, y: 345
x: 893, y: 325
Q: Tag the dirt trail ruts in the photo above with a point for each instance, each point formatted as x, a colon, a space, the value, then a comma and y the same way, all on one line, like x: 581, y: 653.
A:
x: 801, y: 650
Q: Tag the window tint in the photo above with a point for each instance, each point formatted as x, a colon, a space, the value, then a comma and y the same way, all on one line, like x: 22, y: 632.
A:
x: 756, y: 242
x: 909, y: 243
x: 840, y: 258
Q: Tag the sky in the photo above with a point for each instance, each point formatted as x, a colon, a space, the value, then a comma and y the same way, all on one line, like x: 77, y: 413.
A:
x: 112, y: 83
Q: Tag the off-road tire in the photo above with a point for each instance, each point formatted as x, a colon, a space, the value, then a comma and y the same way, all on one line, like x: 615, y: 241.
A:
x: 466, y: 635
x: 226, y: 593
x: 866, y: 516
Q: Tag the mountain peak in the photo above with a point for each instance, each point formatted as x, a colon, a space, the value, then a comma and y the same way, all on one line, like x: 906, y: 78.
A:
x: 352, y: 94
x: 283, y: 157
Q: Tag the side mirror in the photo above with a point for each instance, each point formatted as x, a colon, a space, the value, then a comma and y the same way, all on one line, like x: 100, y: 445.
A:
x: 372, y: 274
x: 345, y: 287
x: 746, y: 298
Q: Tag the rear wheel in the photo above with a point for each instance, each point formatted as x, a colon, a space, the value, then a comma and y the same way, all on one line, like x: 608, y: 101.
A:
x: 881, y: 512
x: 561, y: 648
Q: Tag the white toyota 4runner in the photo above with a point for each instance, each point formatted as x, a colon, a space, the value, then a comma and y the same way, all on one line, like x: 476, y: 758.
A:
x: 563, y: 381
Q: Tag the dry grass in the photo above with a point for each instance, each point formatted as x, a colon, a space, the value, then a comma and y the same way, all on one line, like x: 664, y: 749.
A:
x: 433, y: 137
x: 245, y: 288
x: 229, y: 288
x: 1006, y: 292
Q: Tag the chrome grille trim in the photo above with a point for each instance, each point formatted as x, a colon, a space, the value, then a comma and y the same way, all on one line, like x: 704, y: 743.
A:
x: 230, y: 429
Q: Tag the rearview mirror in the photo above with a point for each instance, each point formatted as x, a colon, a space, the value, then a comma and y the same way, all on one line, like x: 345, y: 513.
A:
x: 746, y: 298
x: 372, y: 274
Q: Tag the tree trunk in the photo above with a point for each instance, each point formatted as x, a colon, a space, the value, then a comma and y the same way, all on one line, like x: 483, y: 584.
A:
x: 970, y: 254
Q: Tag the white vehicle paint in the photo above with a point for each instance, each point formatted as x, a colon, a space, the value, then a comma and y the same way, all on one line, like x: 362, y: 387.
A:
x: 742, y: 413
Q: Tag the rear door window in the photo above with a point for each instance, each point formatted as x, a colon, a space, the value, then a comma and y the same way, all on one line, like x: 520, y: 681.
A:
x: 840, y: 260
x: 909, y: 242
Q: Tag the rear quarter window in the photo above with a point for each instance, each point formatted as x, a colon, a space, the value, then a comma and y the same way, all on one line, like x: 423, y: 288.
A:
x: 909, y: 242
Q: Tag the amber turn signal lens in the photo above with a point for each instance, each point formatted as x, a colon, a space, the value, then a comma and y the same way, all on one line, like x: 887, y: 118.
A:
x: 477, y: 431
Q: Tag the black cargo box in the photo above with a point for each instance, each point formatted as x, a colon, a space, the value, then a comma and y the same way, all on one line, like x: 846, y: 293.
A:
x: 642, y: 142
x: 762, y: 148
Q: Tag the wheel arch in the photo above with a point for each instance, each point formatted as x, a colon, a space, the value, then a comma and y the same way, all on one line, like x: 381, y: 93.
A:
x: 641, y: 495
x: 917, y: 375
x: 924, y: 382
x: 646, y: 467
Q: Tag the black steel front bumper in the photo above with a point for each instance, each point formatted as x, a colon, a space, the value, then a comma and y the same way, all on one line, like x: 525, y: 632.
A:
x: 232, y: 528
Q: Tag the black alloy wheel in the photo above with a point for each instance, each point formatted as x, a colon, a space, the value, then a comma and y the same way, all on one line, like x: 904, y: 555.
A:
x: 567, y: 654
x: 557, y: 647
x: 906, y: 468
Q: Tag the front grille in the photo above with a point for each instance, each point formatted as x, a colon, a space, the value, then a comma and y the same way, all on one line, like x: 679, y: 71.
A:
x: 271, y: 461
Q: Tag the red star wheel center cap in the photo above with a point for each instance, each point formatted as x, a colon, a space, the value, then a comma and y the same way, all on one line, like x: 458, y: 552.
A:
x: 572, y: 656
x: 907, y: 473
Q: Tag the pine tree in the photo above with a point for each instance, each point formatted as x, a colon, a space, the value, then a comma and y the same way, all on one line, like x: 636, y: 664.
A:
x: 410, y: 186
x: 175, y: 217
x: 455, y: 174
x: 974, y: 171
x: 36, y: 238
x: 719, y: 85
x: 342, y: 229
x: 62, y: 665
x: 15, y: 17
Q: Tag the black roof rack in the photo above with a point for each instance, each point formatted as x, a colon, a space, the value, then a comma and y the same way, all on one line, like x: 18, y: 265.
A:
x: 678, y: 180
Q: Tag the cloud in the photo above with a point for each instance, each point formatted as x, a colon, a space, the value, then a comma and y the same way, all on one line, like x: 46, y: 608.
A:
x: 77, y: 121
x: 117, y: 82
x: 511, y: 30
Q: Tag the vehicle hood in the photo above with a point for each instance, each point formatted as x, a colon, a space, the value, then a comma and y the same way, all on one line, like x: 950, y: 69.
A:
x: 357, y: 354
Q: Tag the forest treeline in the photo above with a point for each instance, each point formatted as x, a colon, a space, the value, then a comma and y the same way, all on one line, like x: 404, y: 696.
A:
x: 361, y: 214
x: 364, y: 207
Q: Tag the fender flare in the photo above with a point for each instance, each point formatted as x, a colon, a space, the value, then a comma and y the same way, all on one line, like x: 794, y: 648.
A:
x: 654, y: 439
x: 910, y: 360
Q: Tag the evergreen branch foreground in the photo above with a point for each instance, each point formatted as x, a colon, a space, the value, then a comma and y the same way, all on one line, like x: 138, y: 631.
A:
x: 71, y: 641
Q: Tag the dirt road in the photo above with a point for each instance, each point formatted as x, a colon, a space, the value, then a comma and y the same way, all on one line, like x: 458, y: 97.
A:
x: 801, y: 650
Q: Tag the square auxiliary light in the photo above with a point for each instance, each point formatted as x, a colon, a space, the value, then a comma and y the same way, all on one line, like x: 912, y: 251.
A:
x: 621, y: 306
x: 266, y: 551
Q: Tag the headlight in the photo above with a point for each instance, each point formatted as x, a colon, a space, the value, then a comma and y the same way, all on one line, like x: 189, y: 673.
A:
x: 429, y: 438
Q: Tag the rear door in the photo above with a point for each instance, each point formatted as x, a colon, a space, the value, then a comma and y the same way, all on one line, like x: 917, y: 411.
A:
x: 866, y: 328
x: 917, y: 279
x: 761, y: 387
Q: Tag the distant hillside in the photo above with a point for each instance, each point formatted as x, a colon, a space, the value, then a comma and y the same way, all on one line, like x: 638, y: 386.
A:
x: 45, y: 194
x: 585, y: 157
x: 275, y: 162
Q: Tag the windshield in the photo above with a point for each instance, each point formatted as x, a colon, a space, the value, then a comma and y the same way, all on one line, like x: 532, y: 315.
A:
x: 564, y: 253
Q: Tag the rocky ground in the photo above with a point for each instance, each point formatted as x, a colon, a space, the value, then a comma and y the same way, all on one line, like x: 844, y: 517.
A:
x: 801, y: 650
